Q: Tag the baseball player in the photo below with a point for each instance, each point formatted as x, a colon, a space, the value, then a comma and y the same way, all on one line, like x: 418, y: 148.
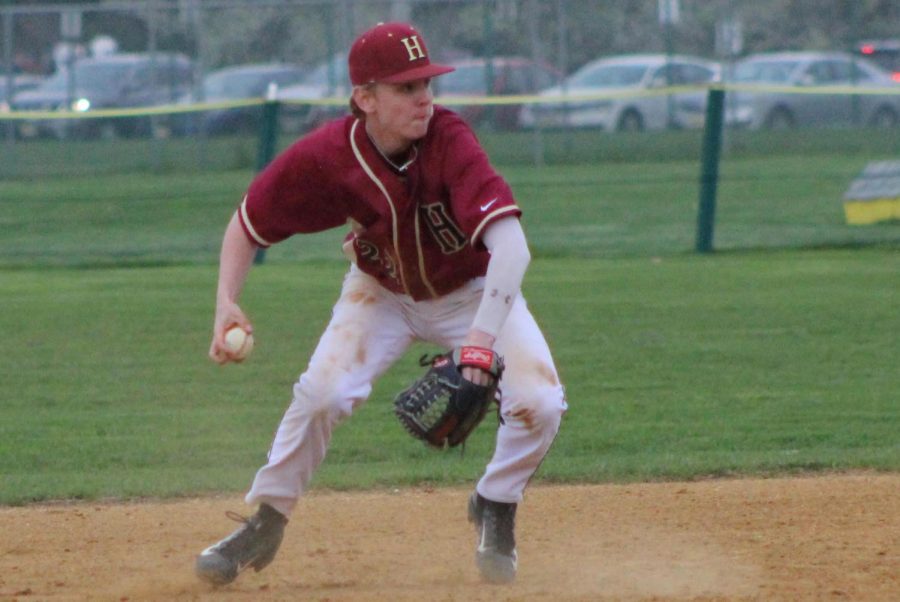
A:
x: 436, y: 253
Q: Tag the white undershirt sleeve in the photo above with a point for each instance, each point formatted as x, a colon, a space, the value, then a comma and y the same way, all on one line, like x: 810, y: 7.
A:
x: 505, y: 241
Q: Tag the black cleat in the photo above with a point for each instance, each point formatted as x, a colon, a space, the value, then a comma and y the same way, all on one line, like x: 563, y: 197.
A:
x: 254, y: 544
x: 496, y: 524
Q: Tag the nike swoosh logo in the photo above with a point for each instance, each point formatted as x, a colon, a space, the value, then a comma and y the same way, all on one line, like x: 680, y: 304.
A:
x: 241, y: 566
x: 487, y: 205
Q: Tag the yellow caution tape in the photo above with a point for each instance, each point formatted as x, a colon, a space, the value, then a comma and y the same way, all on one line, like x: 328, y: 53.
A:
x: 130, y: 112
x: 452, y: 100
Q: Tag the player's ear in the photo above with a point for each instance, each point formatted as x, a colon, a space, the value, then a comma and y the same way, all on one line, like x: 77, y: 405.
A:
x: 363, y: 97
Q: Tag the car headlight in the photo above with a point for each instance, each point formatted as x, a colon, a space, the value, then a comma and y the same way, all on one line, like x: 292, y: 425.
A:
x: 744, y: 113
x: 81, y: 105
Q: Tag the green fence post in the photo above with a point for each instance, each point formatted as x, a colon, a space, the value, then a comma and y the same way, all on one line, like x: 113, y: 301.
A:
x: 488, y: 17
x: 709, y: 170
x: 265, y: 152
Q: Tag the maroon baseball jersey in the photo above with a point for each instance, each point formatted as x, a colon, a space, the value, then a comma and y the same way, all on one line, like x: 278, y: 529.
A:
x: 416, y: 231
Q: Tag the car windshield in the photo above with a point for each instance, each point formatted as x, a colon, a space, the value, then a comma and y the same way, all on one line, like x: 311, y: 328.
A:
x: 330, y: 74
x: 235, y: 85
x: 465, y: 80
x: 609, y: 76
x: 765, y: 71
x: 89, y: 76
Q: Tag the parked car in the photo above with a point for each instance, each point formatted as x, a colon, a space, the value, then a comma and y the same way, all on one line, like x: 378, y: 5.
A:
x: 234, y: 83
x: 800, y: 104
x: 111, y: 82
x: 624, y: 102
x: 303, y: 107
x: 886, y: 53
x: 20, y: 83
x: 508, y: 76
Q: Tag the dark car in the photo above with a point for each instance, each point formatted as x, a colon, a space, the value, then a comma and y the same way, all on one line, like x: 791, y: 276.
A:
x: 20, y: 83
x: 499, y: 76
x: 885, y: 53
x: 235, y: 83
x: 112, y: 82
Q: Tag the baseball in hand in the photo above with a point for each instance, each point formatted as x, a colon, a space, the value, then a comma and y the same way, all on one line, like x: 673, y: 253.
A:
x: 238, y: 342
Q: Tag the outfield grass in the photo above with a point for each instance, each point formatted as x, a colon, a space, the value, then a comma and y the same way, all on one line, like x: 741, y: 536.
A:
x: 40, y: 159
x: 606, y: 210
x: 675, y: 367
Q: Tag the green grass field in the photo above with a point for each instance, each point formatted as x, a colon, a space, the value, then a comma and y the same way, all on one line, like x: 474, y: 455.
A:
x: 776, y: 354
x: 607, y: 210
x: 675, y: 368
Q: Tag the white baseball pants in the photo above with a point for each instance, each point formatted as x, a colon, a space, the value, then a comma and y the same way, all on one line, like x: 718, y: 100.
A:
x: 370, y: 329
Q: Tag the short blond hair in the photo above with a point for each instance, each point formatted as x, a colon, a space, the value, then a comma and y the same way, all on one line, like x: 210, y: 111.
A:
x: 354, y: 108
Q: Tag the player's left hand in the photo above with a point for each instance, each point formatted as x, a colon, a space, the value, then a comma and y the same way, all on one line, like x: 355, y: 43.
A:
x: 442, y: 408
x: 477, y: 338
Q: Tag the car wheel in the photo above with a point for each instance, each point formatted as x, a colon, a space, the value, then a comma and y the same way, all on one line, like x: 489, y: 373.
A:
x: 27, y: 131
x: 779, y: 119
x: 107, y: 130
x: 630, y: 121
x: 884, y: 118
x: 507, y: 118
x: 161, y: 131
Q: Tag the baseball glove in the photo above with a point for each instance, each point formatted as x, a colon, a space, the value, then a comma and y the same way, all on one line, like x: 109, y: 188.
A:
x: 442, y: 408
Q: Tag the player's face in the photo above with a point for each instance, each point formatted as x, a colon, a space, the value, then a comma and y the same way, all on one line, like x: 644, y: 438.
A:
x: 399, y: 113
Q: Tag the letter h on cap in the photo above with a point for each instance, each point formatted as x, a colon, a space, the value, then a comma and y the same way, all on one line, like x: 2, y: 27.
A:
x: 413, y: 48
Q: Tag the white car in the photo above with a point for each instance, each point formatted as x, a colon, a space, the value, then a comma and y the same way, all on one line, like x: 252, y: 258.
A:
x: 810, y: 89
x: 617, y: 94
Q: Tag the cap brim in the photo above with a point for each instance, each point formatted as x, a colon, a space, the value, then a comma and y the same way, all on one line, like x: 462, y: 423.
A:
x: 425, y: 72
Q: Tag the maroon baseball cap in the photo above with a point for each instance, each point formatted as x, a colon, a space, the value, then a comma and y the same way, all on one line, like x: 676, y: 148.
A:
x: 392, y: 53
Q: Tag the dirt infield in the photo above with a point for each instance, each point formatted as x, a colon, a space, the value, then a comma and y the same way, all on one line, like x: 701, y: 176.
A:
x: 812, y: 538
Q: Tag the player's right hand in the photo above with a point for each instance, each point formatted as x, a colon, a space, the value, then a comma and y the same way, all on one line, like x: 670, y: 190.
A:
x: 227, y: 315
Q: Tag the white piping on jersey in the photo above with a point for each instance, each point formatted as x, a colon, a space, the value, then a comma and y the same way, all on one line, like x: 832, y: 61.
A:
x: 387, y: 196
x: 489, y: 217
x: 422, y: 272
x: 246, y: 219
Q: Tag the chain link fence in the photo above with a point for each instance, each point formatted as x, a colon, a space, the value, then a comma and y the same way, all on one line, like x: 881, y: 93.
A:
x: 197, y: 103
